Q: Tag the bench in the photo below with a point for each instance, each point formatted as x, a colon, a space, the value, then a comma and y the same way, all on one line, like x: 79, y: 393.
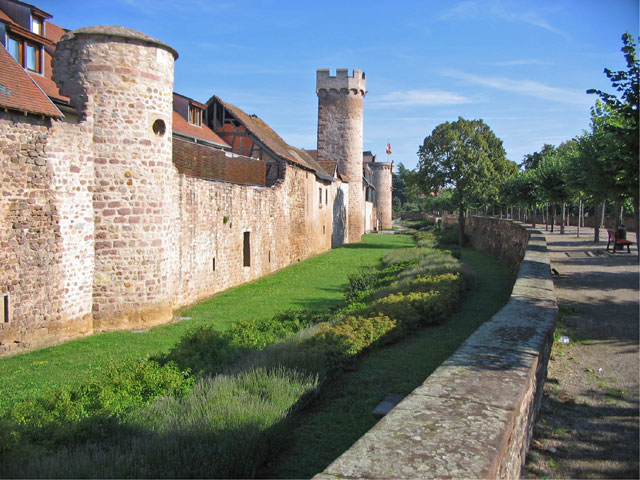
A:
x: 617, y: 241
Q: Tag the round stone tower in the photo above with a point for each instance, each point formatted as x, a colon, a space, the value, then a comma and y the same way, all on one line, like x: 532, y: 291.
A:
x: 121, y: 82
x: 382, y: 182
x: 340, y: 126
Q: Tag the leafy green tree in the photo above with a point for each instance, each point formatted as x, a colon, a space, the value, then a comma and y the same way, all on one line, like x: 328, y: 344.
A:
x: 596, y: 170
x: 618, y: 117
x: 462, y: 155
x: 505, y: 171
x: 522, y: 190
x: 406, y: 196
x: 531, y: 160
x: 399, y: 183
x: 552, y: 174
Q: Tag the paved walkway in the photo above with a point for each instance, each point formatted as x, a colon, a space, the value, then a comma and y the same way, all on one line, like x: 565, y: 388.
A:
x: 589, y: 424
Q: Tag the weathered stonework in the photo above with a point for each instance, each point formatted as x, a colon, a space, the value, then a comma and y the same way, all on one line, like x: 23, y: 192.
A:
x: 29, y: 232
x: 125, y: 84
x: 382, y: 181
x: 285, y: 223
x: 473, y: 417
x: 340, y: 136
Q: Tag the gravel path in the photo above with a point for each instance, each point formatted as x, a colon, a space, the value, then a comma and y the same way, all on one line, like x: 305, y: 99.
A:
x: 589, y: 425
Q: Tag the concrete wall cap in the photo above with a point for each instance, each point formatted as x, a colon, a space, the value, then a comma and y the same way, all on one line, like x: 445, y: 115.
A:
x: 122, y: 32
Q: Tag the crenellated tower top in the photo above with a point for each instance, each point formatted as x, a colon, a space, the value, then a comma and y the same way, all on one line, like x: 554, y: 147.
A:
x: 341, y: 82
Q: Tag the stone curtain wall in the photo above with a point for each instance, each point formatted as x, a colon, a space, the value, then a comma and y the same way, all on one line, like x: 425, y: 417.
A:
x: 286, y: 224
x: 474, y: 416
x: 100, y: 230
x: 31, y: 287
x: 504, y: 239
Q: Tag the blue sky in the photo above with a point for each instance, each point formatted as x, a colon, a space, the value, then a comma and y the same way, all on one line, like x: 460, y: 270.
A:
x: 521, y: 66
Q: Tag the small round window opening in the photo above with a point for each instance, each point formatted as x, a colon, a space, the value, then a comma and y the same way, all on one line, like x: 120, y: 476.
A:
x: 159, y: 128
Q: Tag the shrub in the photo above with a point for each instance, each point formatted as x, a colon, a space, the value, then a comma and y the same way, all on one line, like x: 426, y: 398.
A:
x: 360, y: 284
x: 425, y: 300
x: 350, y: 336
x: 204, y: 350
x: 226, y: 428
x: 258, y: 334
x: 90, y: 408
x: 449, y: 235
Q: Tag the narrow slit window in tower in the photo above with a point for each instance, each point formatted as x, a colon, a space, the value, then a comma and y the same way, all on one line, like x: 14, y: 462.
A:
x: 246, y: 251
x: 5, y: 308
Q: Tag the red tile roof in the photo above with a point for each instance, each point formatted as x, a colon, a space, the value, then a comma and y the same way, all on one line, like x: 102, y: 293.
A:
x: 265, y: 134
x: 54, y: 32
x: 19, y: 92
x: 330, y: 166
x: 180, y: 125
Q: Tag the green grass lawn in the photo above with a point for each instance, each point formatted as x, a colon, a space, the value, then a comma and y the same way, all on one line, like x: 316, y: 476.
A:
x: 316, y: 284
x: 342, y: 412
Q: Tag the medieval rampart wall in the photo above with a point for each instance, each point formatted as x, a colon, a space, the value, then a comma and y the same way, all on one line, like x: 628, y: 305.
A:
x: 231, y: 234
x: 104, y: 223
x: 31, y: 293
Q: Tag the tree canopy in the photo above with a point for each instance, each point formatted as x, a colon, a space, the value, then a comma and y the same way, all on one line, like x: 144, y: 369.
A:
x: 464, y: 155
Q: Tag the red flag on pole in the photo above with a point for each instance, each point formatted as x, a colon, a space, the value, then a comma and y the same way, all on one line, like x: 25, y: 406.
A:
x: 388, y: 148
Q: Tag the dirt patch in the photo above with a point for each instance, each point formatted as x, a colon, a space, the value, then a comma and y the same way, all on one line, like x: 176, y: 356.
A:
x: 588, y: 425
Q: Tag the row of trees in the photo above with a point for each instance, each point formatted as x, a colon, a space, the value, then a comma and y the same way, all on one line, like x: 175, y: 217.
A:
x: 466, y: 157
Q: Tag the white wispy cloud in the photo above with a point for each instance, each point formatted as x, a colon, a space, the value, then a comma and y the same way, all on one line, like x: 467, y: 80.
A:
x: 504, y: 10
x: 524, y: 87
x: 517, y: 62
x: 401, y: 98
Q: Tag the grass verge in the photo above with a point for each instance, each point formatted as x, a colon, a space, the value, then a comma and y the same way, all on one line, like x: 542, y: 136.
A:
x: 237, y: 414
x: 342, y: 412
x: 315, y: 284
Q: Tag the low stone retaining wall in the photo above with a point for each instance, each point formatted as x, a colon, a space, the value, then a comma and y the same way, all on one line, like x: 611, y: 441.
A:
x: 473, y: 417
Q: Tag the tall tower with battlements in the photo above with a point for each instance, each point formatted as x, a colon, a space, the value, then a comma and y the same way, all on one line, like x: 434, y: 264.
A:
x: 340, y: 132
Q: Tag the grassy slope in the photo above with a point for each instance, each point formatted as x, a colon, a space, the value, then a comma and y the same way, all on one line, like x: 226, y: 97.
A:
x: 342, y: 413
x: 317, y: 284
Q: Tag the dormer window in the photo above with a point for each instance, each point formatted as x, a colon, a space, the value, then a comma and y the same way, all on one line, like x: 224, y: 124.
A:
x: 27, y: 54
x: 195, y: 115
x: 32, y: 57
x: 36, y: 26
x: 15, y: 49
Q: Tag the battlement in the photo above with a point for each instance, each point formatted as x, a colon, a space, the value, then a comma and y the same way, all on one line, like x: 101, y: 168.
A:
x: 341, y: 81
